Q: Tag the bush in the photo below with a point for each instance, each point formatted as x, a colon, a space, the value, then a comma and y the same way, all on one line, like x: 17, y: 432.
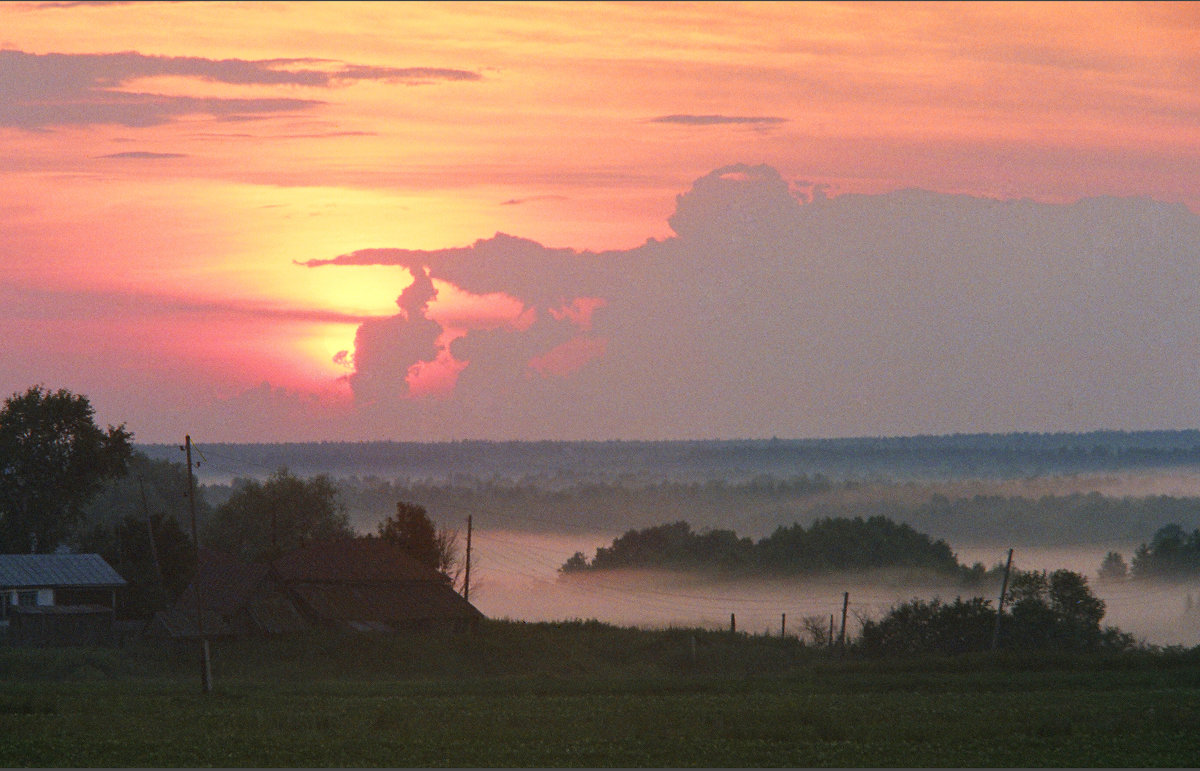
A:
x: 931, y: 627
x: 1055, y: 611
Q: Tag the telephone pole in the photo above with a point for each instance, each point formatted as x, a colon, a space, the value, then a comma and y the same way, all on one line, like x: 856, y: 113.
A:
x: 467, y: 575
x: 1000, y: 605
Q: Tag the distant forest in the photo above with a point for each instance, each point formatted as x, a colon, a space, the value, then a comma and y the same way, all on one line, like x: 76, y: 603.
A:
x: 761, y: 505
x: 957, y: 456
x: 949, y: 486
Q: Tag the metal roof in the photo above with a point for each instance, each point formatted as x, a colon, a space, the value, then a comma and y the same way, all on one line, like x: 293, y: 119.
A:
x: 226, y: 583
x: 353, y: 560
x: 46, y: 570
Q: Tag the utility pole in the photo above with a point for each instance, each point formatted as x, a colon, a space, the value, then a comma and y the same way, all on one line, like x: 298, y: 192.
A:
x: 467, y: 572
x: 1000, y: 605
x: 205, y: 663
x: 162, y: 584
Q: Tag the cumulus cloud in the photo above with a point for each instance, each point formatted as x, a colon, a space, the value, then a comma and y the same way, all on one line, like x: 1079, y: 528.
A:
x: 774, y: 312
x: 55, y: 89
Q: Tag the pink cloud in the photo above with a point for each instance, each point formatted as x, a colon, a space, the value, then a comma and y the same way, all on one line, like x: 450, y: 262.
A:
x: 569, y: 357
x: 579, y: 311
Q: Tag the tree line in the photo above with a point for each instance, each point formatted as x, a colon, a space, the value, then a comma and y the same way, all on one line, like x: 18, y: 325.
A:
x: 764, y: 502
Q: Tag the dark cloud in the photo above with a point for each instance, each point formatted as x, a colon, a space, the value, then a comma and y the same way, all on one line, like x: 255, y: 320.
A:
x: 772, y: 313
x: 718, y: 120
x: 142, y: 155
x: 45, y: 90
x: 386, y: 349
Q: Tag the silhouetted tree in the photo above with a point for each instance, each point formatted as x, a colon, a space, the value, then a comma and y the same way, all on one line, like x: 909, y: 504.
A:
x: 411, y: 529
x: 53, y: 459
x: 1113, y: 568
x: 1057, y: 611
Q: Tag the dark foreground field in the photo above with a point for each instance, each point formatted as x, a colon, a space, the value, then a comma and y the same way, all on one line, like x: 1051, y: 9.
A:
x: 585, y: 694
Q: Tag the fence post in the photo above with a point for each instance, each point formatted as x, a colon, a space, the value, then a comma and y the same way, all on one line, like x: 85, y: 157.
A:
x: 845, y: 607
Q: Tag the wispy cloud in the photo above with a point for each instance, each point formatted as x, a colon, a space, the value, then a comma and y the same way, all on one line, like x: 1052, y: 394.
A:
x: 47, y: 90
x: 719, y: 120
x: 142, y: 155
x: 532, y: 199
x: 37, y: 302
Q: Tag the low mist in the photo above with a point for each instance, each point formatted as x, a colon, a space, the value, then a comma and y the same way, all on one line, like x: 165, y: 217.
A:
x: 515, y: 576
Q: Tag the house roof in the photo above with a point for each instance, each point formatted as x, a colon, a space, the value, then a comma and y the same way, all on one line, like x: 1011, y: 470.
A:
x: 369, y: 583
x: 353, y: 560
x: 51, y: 570
x: 389, y: 604
x: 363, y: 583
x: 226, y: 583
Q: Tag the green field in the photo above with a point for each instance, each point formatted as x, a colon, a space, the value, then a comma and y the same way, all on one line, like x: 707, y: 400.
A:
x: 586, y: 694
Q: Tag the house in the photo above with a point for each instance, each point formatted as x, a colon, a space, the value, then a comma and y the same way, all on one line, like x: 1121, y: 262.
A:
x: 364, y: 584
x: 58, y: 599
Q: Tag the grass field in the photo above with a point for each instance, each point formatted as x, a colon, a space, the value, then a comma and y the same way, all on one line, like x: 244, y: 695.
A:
x: 585, y: 694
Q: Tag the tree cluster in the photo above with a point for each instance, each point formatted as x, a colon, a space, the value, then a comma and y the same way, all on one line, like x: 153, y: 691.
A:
x: 1172, y: 553
x: 1055, y: 611
x: 263, y: 520
x: 827, y: 545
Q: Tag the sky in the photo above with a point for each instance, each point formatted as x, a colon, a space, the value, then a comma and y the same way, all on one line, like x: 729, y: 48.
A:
x: 439, y: 221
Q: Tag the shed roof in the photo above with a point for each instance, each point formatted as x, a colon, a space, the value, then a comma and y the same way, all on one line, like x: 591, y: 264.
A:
x: 46, y: 570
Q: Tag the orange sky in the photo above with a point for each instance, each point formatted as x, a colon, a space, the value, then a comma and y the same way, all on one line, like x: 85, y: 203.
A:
x: 166, y: 165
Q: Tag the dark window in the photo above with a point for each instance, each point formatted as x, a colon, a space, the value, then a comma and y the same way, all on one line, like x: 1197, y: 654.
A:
x: 27, y: 599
